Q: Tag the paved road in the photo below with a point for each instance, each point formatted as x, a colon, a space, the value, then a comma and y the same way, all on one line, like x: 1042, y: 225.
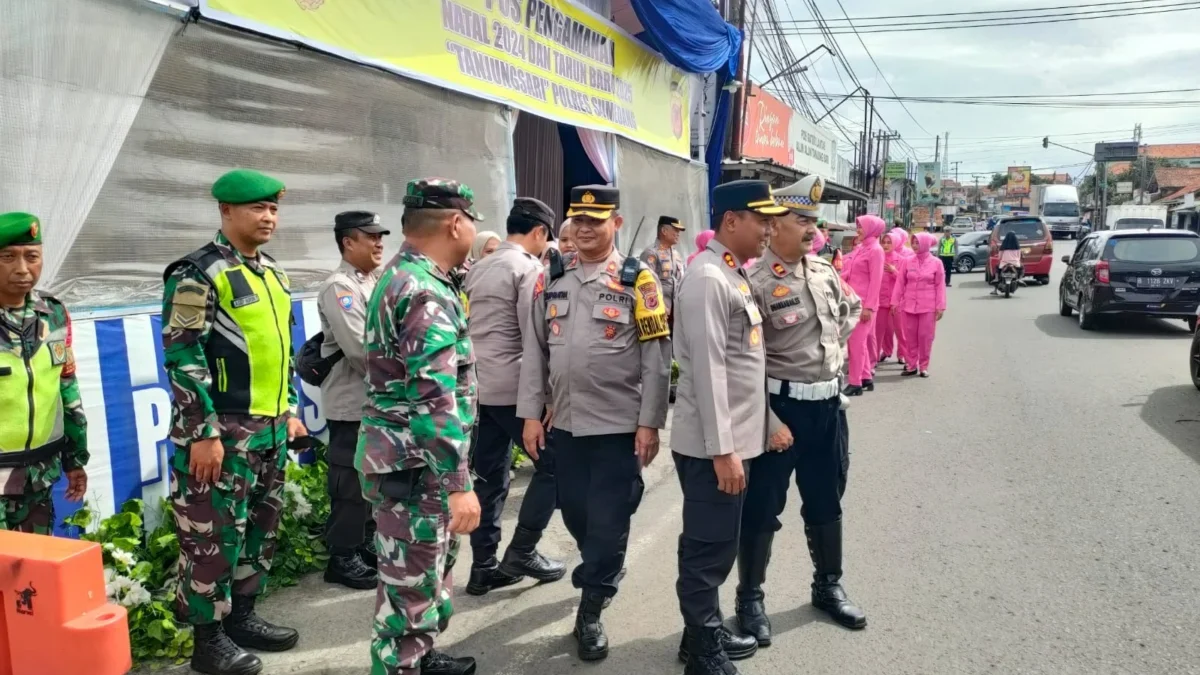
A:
x: 1031, y: 508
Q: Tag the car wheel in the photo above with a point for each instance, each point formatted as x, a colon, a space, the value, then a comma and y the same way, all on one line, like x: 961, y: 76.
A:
x: 1086, y: 320
x: 1063, y: 308
x: 965, y: 264
x: 1043, y: 280
x: 1194, y: 363
x: 1191, y: 323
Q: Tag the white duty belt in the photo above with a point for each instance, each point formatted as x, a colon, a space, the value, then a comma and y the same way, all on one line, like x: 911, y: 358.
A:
x: 819, y: 391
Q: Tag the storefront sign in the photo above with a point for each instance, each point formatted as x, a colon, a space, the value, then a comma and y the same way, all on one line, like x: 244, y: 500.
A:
x: 127, y: 399
x: 774, y: 131
x: 548, y: 57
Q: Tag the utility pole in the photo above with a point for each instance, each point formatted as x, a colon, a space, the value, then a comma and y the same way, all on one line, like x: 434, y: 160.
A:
x: 937, y: 148
x: 978, y: 201
x: 956, y: 170
x: 946, y: 155
x: 1137, y: 136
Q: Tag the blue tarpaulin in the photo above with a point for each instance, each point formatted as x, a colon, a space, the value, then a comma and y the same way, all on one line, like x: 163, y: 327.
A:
x: 691, y: 35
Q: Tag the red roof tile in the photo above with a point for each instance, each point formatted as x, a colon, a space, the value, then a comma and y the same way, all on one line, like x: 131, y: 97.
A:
x: 1172, y: 177
x: 1173, y: 150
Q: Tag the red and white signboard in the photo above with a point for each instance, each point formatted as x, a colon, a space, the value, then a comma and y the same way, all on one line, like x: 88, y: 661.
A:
x: 776, y: 132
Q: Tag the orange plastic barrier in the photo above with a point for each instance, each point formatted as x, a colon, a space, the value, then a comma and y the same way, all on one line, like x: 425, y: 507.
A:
x: 56, y: 618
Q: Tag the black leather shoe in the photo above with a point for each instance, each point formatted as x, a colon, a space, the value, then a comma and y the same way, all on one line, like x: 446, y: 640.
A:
x: 488, y: 576
x: 351, y: 572
x: 593, y: 643
x: 736, y: 647
x: 907, y: 372
x: 437, y: 663
x: 250, y: 631
x: 705, y: 655
x: 868, y: 385
x: 754, y: 554
x: 368, y: 555
x: 620, y: 577
x: 522, y: 559
x: 825, y: 547
x: 852, y: 390
x: 216, y: 654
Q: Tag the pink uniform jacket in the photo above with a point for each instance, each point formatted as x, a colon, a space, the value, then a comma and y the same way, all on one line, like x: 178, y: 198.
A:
x: 896, y: 259
x: 864, y: 272
x: 818, y: 243
x: 922, y: 287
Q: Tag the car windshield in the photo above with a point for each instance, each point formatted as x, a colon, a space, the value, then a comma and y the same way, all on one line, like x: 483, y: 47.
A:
x: 1024, y: 229
x: 1153, y: 249
x: 1061, y: 210
x: 1138, y: 224
x: 971, y: 238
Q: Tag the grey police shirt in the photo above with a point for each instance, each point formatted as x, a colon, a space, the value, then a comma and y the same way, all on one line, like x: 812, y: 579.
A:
x: 667, y: 265
x: 499, y: 289
x: 341, y: 304
x: 602, y: 348
x: 721, y: 400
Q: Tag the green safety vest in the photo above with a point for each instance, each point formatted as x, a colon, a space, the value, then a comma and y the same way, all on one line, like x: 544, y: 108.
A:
x: 947, y: 247
x: 31, y: 365
x: 250, y: 346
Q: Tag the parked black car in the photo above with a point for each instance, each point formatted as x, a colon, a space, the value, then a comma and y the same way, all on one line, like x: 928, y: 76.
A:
x: 1148, y: 272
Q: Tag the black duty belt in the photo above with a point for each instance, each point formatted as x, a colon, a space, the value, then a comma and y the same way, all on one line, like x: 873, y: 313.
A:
x: 10, y: 460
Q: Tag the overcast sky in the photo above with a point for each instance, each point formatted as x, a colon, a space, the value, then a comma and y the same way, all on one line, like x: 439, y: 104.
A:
x: 1107, y: 55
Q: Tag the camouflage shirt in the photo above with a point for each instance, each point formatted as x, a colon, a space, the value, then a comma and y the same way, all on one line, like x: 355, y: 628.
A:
x: 421, y: 387
x: 51, y: 315
x: 193, y: 415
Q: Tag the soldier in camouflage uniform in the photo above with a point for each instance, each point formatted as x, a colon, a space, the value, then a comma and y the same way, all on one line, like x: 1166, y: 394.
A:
x: 416, y: 429
x: 227, y: 345
x: 43, y: 431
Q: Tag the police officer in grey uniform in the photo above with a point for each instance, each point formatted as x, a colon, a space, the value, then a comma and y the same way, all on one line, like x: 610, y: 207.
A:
x: 598, y: 335
x: 720, y: 416
x: 342, y: 303
x: 808, y: 320
x: 499, y: 289
x: 665, y: 261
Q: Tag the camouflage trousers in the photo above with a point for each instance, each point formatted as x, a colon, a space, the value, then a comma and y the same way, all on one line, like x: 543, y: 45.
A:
x: 416, y: 559
x: 227, y: 529
x: 32, y: 512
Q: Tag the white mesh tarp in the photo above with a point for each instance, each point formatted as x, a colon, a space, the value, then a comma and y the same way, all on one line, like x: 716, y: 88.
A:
x: 655, y: 184
x: 341, y: 136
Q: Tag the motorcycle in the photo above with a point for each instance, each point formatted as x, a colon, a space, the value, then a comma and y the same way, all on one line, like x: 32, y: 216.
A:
x: 1007, y: 279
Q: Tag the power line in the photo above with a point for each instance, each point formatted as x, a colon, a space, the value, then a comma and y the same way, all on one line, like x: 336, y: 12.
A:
x: 978, y: 12
x: 926, y: 26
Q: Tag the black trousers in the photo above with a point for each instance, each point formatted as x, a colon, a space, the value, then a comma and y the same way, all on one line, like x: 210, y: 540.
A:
x: 948, y: 265
x: 349, y: 513
x: 496, y: 430
x: 819, y: 459
x: 599, y: 489
x: 709, y: 542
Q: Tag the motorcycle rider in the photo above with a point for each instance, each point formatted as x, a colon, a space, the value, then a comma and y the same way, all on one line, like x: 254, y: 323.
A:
x: 1010, y: 255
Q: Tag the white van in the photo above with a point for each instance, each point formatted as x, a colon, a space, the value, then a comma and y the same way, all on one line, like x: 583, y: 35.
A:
x: 1060, y: 210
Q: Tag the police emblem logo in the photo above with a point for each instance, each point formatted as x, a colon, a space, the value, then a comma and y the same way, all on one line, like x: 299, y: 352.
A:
x: 649, y: 296
x: 791, y: 319
x: 555, y: 328
x: 814, y: 194
x: 728, y: 258
x: 588, y: 198
x: 611, y: 312
x: 614, y: 285
x: 755, y: 337
x: 610, y: 332
x: 779, y: 270
x: 781, y: 291
x: 612, y: 267
x: 553, y: 311
x: 345, y: 300
x: 58, y: 352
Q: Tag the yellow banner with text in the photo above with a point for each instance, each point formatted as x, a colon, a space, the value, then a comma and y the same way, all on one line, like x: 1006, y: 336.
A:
x: 548, y: 57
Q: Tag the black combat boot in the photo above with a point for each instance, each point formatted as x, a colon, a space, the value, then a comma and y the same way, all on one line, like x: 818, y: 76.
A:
x: 852, y: 390
x: 868, y: 385
x: 216, y: 654
x: 522, y: 558
x: 736, y: 647
x: 437, y: 663
x: 754, y: 554
x: 705, y: 655
x: 367, y: 553
x: 593, y: 643
x: 825, y: 547
x: 350, y: 571
x: 249, y: 630
x: 487, y: 576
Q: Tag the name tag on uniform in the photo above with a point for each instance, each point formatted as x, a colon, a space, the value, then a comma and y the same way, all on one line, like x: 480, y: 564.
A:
x: 753, y: 313
x: 242, y: 302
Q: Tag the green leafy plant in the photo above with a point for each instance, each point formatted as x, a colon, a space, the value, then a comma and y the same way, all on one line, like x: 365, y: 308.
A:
x: 674, y: 372
x: 140, y: 567
x: 519, y: 458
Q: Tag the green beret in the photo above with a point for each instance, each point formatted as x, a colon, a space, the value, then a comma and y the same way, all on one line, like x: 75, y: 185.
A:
x: 20, y: 229
x: 246, y: 186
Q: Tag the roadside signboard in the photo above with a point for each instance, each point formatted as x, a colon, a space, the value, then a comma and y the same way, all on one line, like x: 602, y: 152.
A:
x: 1123, y: 151
x: 1018, y: 180
x: 929, y: 182
x: 1125, y: 188
x: 895, y: 170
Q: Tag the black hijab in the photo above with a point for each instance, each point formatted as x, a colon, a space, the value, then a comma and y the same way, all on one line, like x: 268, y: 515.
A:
x: 1010, y: 242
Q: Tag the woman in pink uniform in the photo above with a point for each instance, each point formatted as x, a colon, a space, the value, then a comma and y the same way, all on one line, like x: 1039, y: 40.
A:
x: 919, y: 301
x: 885, y: 329
x: 864, y: 273
x: 905, y: 253
x: 818, y: 243
x: 702, y: 240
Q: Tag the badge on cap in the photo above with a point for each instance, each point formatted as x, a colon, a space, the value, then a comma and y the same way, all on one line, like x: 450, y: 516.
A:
x: 588, y: 198
x: 779, y: 270
x: 728, y: 258
x: 33, y: 230
x: 781, y: 291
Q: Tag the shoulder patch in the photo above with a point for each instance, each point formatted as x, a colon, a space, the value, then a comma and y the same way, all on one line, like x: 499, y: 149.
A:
x: 539, y: 286
x: 649, y: 313
x: 779, y: 270
x: 345, y: 300
x: 189, y: 304
x: 728, y: 258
